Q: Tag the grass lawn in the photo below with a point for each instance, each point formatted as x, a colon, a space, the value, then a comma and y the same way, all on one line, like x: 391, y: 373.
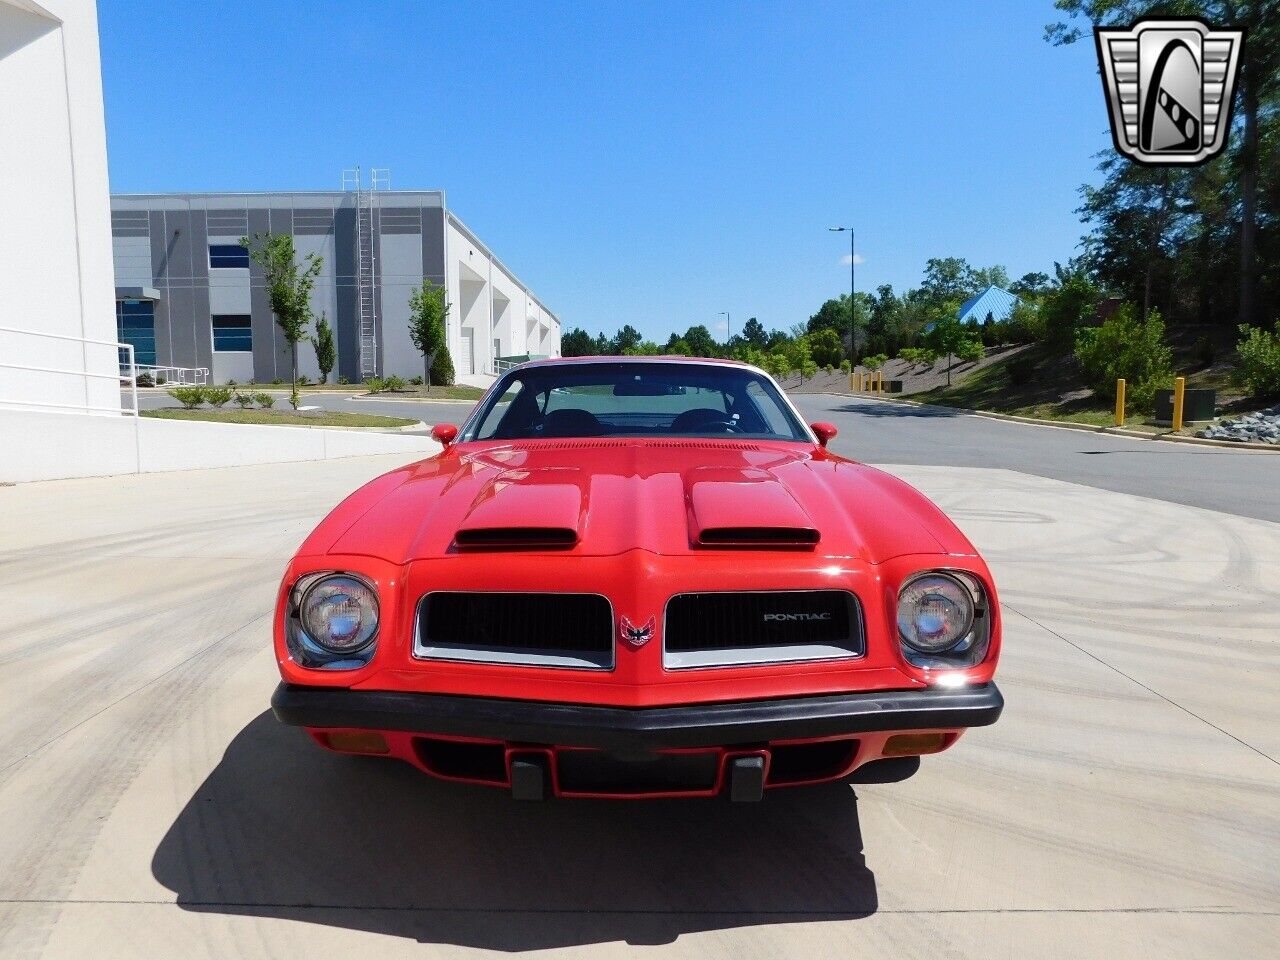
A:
x: 1034, y: 383
x: 458, y: 392
x: 327, y: 418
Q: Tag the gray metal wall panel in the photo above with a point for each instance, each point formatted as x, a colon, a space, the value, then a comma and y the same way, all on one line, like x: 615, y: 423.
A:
x: 433, y: 243
x: 131, y: 256
x: 401, y: 267
x: 263, y: 323
x: 201, y: 328
x: 346, y: 323
x: 160, y: 280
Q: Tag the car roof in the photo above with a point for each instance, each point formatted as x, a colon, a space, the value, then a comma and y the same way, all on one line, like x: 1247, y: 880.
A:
x: 670, y: 358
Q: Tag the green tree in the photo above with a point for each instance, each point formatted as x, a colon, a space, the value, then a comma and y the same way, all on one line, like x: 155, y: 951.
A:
x: 948, y: 279
x: 1127, y: 347
x: 577, y: 343
x: 1258, y: 88
x: 699, y: 340
x: 625, y: 339
x: 1069, y: 305
x: 947, y: 335
x: 288, y: 285
x: 826, y: 347
x: 753, y: 332
x: 428, y: 312
x: 1030, y: 285
x: 326, y: 351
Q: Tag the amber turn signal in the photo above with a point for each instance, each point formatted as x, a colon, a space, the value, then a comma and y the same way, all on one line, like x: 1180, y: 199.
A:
x: 357, y: 741
x: 913, y: 744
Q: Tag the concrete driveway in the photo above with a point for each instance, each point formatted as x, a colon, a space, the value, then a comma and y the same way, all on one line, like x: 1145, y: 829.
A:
x: 1125, y: 805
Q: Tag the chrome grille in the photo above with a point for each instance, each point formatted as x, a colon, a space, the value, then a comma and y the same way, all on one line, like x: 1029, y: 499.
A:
x: 569, y: 630
x: 760, y: 627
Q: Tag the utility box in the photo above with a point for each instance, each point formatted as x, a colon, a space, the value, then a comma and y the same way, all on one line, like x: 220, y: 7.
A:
x: 893, y: 386
x: 1197, y: 406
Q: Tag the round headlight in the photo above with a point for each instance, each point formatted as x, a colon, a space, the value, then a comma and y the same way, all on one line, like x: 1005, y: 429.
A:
x: 340, y: 613
x: 935, y: 612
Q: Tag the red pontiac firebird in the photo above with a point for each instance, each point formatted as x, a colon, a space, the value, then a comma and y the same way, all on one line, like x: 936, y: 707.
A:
x: 637, y: 577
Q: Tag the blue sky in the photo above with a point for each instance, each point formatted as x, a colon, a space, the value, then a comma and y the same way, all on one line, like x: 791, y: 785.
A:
x: 633, y: 162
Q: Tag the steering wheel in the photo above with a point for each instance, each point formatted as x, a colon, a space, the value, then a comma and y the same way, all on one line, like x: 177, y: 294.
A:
x: 727, y: 424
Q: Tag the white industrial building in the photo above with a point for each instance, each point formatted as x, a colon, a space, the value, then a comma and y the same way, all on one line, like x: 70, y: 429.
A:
x: 188, y: 294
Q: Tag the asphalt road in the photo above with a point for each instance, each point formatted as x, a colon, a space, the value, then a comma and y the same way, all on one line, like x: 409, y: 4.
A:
x: 1243, y: 482
x: 1124, y: 805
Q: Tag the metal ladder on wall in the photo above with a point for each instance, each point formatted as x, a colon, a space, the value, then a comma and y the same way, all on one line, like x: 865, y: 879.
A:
x: 366, y: 263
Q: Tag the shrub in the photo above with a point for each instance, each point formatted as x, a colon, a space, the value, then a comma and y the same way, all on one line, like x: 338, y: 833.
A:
x: 303, y: 380
x: 243, y: 400
x: 875, y: 361
x: 344, y: 381
x: 217, y: 396
x: 1026, y: 324
x: 1127, y: 347
x: 415, y: 381
x: 189, y: 397
x: 971, y: 350
x: 277, y: 382
x: 295, y: 398
x: 845, y: 366
x: 395, y: 383
x: 375, y: 384
x: 144, y: 380
x: 264, y: 400
x: 918, y: 356
x: 160, y: 380
x: 442, y: 370
x: 1259, y: 370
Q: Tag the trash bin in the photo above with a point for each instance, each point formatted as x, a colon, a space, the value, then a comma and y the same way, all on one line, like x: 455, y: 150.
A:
x: 1197, y: 406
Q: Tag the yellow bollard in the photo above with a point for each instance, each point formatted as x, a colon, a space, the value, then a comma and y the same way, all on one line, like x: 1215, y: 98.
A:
x: 1120, y: 402
x: 880, y: 381
x: 1179, y: 389
x: 851, y: 389
x: 857, y: 382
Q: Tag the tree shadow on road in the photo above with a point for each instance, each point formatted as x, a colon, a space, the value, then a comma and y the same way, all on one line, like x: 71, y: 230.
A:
x: 283, y: 830
x: 899, y: 410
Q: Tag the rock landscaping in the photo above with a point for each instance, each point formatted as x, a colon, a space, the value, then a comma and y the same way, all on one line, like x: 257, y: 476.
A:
x: 1262, y: 426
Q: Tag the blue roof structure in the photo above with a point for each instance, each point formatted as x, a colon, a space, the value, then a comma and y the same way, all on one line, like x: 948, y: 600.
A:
x: 993, y: 300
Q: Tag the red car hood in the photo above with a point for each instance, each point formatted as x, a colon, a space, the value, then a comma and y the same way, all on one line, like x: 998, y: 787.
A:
x: 604, y: 497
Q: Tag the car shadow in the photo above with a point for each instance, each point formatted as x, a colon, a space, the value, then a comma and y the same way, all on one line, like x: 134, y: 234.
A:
x: 281, y: 829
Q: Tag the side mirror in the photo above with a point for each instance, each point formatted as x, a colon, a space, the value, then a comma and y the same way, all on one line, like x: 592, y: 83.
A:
x: 825, y: 432
x: 445, y: 433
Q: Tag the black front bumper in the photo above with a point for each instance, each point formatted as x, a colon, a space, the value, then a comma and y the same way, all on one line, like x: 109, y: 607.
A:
x: 647, y: 728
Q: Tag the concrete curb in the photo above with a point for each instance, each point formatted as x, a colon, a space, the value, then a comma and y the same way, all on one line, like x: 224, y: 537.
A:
x: 1065, y: 425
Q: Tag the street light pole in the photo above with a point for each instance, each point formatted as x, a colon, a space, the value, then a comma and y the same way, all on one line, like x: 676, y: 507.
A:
x: 728, y: 325
x: 853, y: 286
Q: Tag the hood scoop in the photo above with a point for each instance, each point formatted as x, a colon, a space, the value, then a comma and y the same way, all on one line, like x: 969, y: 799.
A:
x: 524, y: 510
x: 746, y: 509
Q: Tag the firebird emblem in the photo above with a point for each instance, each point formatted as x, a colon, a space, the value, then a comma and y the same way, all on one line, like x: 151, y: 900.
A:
x: 637, y: 636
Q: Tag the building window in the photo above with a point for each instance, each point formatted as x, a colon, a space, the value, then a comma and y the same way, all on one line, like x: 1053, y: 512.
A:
x: 232, y: 331
x: 228, y: 255
x: 136, y: 324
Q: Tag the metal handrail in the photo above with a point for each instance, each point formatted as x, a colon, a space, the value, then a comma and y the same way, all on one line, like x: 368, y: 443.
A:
x: 121, y: 377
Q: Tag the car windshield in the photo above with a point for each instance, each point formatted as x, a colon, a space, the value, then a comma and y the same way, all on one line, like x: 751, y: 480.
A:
x: 634, y: 400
